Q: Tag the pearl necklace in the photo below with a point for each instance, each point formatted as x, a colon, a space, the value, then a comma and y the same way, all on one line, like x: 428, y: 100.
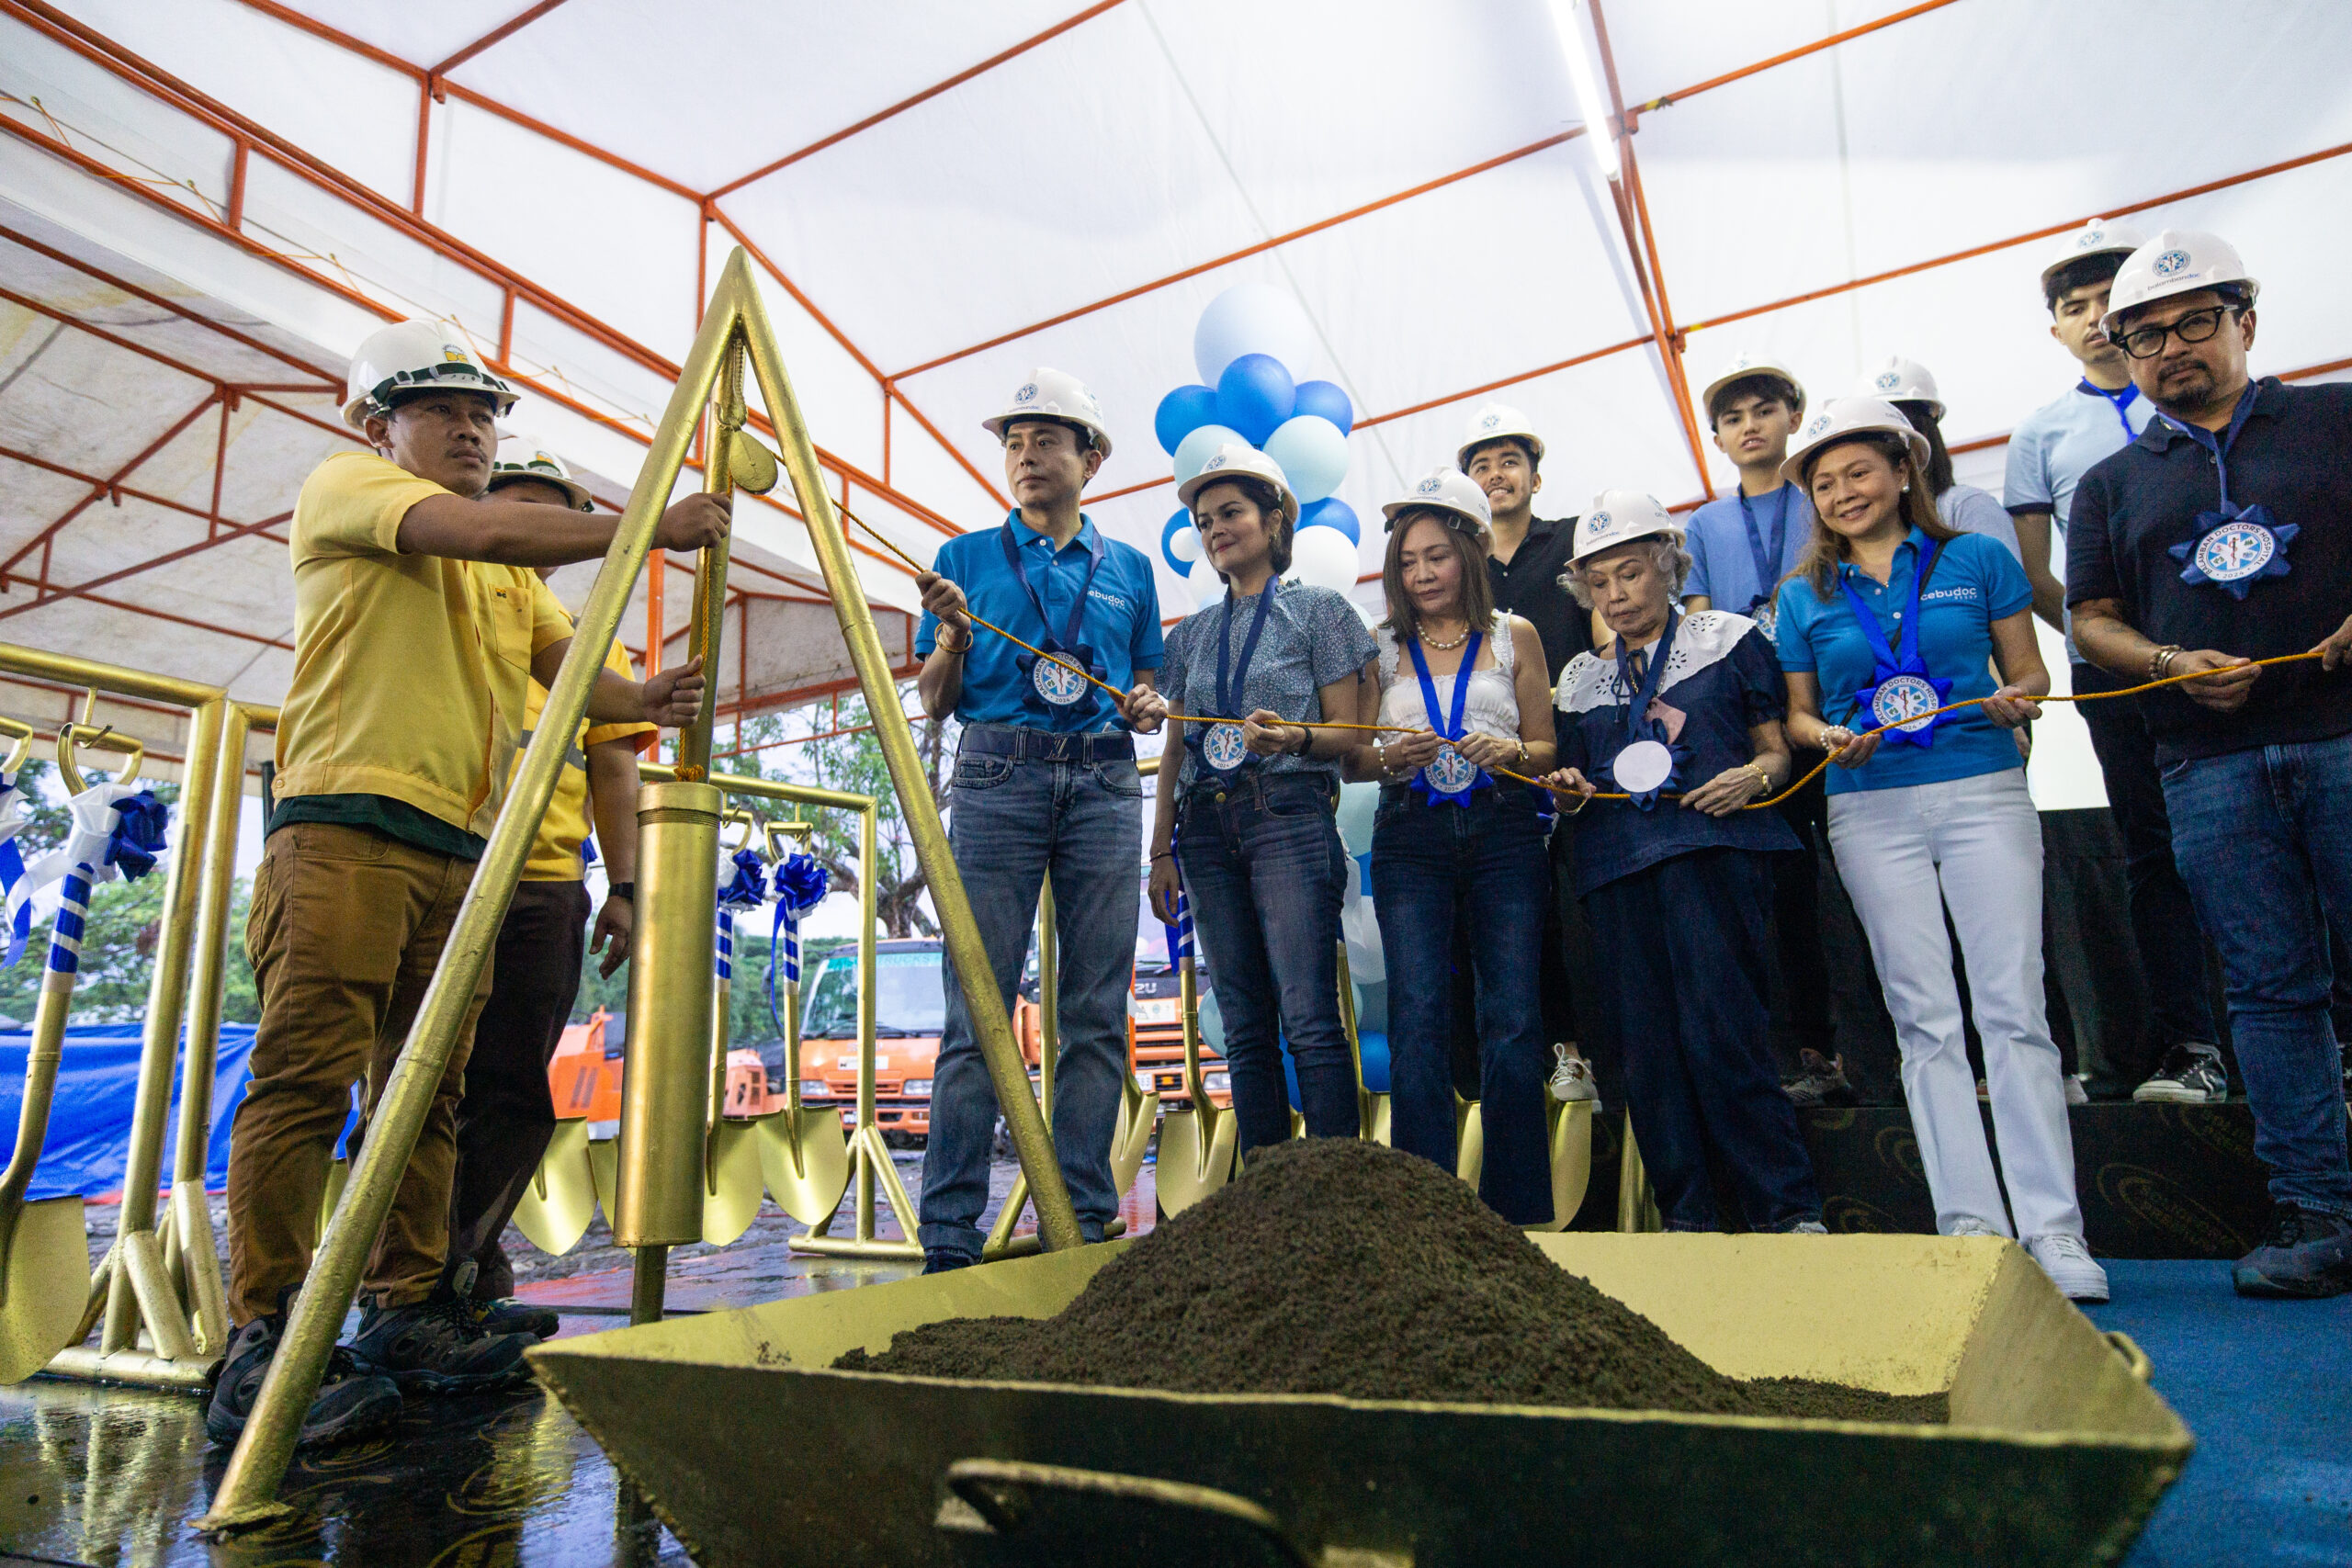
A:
x: 1430, y: 642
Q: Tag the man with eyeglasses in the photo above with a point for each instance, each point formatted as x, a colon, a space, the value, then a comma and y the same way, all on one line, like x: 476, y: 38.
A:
x: 2216, y: 539
x: 2050, y: 452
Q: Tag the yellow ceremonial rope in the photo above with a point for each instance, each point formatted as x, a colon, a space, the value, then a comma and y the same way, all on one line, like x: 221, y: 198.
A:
x: 1951, y: 707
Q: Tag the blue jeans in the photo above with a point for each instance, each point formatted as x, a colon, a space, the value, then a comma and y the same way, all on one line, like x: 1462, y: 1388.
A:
x: 1265, y: 872
x: 1683, y: 971
x: 1013, y: 821
x: 1482, y: 865
x: 2264, y: 840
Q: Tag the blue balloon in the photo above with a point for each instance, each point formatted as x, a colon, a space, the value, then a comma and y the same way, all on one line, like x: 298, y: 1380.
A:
x: 1254, y: 395
x: 1313, y: 455
x: 1332, y: 513
x: 1181, y: 413
x: 1325, y: 400
x: 1180, y: 526
x: 1193, y: 452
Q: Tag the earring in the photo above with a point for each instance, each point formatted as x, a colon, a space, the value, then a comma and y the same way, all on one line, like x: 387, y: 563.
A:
x: 1906, y: 489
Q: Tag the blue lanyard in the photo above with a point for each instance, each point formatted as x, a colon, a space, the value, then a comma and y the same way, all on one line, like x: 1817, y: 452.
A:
x: 1768, y: 561
x: 1888, y: 659
x: 1067, y: 641
x: 1639, y: 725
x: 2119, y: 401
x: 1452, y: 729
x: 1248, y: 647
x: 2220, y: 446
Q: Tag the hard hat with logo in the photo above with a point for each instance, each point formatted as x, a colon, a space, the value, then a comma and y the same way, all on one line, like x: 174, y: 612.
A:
x: 1842, y: 419
x: 1232, y: 461
x: 1496, y: 422
x: 1449, y: 491
x: 1744, y: 365
x: 1058, y: 396
x: 2096, y: 238
x: 416, y: 357
x: 2178, y: 261
x: 1618, y: 517
x: 522, y: 457
x: 1901, y: 380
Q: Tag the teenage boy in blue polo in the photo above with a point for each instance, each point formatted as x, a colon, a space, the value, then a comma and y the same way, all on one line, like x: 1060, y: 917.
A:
x: 1044, y: 783
x: 2050, y: 452
x: 2216, y: 538
x: 1741, y: 546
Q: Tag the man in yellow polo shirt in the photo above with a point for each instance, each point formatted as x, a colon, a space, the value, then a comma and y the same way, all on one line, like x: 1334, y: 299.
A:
x: 419, y: 626
x: 507, y: 1114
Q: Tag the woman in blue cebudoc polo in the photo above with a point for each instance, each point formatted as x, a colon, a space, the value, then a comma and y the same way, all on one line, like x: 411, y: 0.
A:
x: 1889, y: 616
x: 1684, y: 715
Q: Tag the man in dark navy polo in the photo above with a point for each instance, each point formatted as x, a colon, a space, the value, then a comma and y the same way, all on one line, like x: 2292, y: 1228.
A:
x: 1045, y: 783
x: 2222, y: 535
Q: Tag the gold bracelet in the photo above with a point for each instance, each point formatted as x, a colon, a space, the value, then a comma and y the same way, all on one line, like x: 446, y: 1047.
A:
x: 1761, y: 776
x: 2160, y: 661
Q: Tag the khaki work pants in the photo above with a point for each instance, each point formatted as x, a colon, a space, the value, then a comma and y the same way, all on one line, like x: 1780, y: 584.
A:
x: 346, y: 931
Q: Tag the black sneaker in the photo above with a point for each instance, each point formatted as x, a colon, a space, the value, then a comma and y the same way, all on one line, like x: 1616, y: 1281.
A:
x: 512, y: 1316
x: 2305, y: 1256
x: 2192, y: 1074
x: 1822, y: 1082
x: 946, y: 1260
x: 350, y: 1402
x: 439, y: 1344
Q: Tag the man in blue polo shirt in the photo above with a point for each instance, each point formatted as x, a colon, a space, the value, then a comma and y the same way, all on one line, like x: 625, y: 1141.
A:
x: 2050, y: 452
x: 2218, y: 537
x: 1044, y: 784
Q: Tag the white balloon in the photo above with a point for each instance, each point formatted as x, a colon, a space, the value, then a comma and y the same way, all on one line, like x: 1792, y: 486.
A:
x: 1208, y: 586
x: 1184, y: 543
x: 1252, y: 318
x: 1324, y: 557
x: 1193, y: 452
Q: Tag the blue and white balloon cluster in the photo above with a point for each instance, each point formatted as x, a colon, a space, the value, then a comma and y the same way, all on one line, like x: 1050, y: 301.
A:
x: 1247, y: 339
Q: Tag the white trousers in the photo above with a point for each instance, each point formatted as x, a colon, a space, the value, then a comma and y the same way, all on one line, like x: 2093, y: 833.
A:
x: 1977, y: 843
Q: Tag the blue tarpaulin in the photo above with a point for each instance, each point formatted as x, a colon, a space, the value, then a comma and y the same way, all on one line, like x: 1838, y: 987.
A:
x: 89, y: 1122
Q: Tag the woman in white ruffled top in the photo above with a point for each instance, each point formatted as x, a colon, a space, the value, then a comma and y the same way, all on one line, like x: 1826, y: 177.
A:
x: 1455, y: 841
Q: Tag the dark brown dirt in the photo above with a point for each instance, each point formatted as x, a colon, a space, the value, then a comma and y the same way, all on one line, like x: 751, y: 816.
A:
x: 1342, y: 1267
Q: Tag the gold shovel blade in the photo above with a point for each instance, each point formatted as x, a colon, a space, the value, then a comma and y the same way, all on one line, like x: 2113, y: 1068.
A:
x: 732, y: 1188
x: 804, y: 1161
x: 604, y: 1165
x: 1469, y: 1142
x: 1192, y: 1163
x: 49, y: 1284
x: 560, y: 1199
x: 1571, y: 1159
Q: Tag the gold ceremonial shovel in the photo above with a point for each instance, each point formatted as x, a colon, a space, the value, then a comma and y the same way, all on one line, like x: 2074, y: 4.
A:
x: 561, y: 1198
x: 44, y: 1249
x: 803, y: 1153
x: 1196, y: 1144
x: 732, y: 1184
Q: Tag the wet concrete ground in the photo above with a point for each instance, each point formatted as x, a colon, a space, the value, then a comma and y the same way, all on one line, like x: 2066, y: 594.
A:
x: 112, y: 1477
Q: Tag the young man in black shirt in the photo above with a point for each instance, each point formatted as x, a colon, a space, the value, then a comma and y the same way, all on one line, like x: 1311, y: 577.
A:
x: 2222, y: 535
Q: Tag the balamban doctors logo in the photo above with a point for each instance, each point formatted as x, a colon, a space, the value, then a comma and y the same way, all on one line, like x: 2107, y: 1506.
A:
x: 1028, y: 394
x: 2170, y: 264
x: 1820, y: 422
x: 1595, y: 522
x: 1431, y: 485
x: 1224, y: 748
x: 2235, y: 551
x: 1491, y: 422
x: 1057, y: 682
x: 1905, y: 701
x: 1451, y: 773
x: 1888, y: 380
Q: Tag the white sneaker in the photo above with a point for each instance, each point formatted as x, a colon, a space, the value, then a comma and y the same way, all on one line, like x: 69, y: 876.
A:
x: 1808, y: 1227
x: 1572, y: 1079
x: 2075, y: 1093
x: 2068, y: 1263
x: 1970, y: 1225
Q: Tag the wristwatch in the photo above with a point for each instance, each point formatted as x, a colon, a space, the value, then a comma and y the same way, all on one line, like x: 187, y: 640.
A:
x: 622, y: 890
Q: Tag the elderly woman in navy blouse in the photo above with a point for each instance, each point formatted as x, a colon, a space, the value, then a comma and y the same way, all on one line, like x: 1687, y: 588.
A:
x: 1683, y: 716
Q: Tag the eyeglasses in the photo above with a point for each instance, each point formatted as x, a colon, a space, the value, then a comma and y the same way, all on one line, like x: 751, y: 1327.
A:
x: 2146, y: 343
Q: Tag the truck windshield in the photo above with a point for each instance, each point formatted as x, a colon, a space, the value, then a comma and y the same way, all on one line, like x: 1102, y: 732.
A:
x: 908, y: 999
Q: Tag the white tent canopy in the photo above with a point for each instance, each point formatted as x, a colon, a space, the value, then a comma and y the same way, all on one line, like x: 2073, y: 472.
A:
x: 940, y: 195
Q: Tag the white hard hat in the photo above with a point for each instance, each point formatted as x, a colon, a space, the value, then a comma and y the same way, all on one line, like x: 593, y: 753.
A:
x: 1444, y: 489
x: 1056, y: 395
x: 416, y: 357
x: 1901, y: 380
x: 2178, y: 261
x: 1841, y: 418
x: 1496, y: 422
x: 1619, y: 516
x: 1742, y: 365
x: 2096, y: 238
x: 522, y: 457
x: 1233, y: 461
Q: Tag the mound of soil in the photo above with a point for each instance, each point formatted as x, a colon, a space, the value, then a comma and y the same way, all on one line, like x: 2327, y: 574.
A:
x: 1340, y: 1267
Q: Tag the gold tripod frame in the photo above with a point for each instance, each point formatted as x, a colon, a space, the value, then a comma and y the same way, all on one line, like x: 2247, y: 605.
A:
x: 735, y: 322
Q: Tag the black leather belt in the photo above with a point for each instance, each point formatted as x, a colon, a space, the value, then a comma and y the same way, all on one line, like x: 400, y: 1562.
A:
x: 1045, y: 746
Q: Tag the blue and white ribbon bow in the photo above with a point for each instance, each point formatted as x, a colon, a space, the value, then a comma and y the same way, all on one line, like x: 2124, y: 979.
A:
x: 13, y: 821
x: 796, y: 885
x: 742, y: 886
x: 1180, y: 935
x: 118, y: 831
